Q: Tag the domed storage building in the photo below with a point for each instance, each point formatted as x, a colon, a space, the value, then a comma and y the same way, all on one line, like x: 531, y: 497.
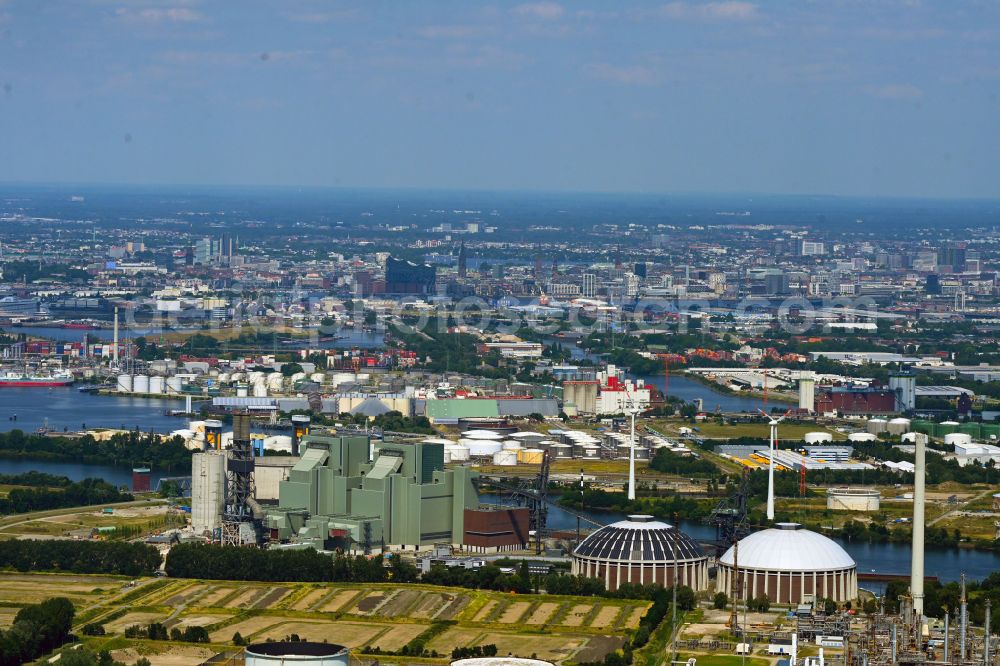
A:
x: 790, y: 565
x: 641, y: 550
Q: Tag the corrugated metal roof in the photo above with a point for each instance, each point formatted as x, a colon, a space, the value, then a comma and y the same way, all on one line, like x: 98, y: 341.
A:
x: 461, y: 409
x: 543, y: 406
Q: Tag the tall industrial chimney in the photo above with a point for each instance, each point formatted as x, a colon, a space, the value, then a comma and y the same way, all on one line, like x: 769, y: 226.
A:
x: 114, y: 349
x: 807, y: 390
x: 917, y: 565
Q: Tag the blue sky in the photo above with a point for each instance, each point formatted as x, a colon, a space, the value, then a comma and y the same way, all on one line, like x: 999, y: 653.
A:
x: 869, y: 97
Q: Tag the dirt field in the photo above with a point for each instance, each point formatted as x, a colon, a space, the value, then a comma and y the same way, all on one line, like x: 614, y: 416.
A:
x: 542, y: 614
x: 577, y: 614
x: 633, y: 619
x: 388, y: 617
x: 606, y: 616
x: 513, y: 612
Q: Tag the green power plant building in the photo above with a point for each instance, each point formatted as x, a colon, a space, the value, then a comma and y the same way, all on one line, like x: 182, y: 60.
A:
x: 403, y: 498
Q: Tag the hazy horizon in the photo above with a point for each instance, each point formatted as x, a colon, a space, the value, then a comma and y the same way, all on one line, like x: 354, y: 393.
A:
x: 889, y: 98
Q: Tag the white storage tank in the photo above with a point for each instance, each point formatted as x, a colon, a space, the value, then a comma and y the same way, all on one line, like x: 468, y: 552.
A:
x: 853, y: 499
x: 124, y: 383
x: 174, y: 385
x: 505, y: 458
x: 296, y: 653
x: 861, y: 437
x: 458, y: 452
x: 817, y: 437
x: 908, y: 437
x: 208, y: 482
x: 510, y: 445
x: 481, y: 447
x: 140, y: 384
x: 561, y: 451
x: 224, y: 378
x: 260, y: 389
x: 317, y: 377
x: 487, y: 435
x: 898, y: 426
x: 877, y: 426
x: 274, y: 381
x: 242, y: 390
x: 957, y: 438
x: 156, y: 385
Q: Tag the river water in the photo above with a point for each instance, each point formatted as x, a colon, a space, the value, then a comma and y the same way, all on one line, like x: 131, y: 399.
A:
x: 66, y: 408
x: 946, y: 563
x: 346, y: 337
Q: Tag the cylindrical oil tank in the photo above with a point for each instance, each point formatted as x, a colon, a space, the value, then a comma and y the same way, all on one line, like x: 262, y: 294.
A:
x: 973, y: 428
x: 505, y: 458
x: 861, y: 437
x: 124, y: 383
x: 242, y: 390
x: 296, y: 653
x: 511, y: 445
x: 237, y: 377
x: 898, y: 426
x: 156, y: 385
x: 544, y: 445
x: 561, y: 451
x: 140, y: 384
x: 960, y: 438
x: 641, y: 453
x: 530, y: 456
x: 224, y: 377
x: 317, y: 377
x: 298, y: 377
x: 853, y: 499
x: 274, y: 381
x: 480, y: 434
x: 213, y: 434
x: 877, y: 426
x: 817, y: 437
x: 908, y: 437
x: 591, y: 452
x: 254, y: 376
x: 260, y: 389
x: 459, y: 452
x: 174, y: 385
x: 481, y: 447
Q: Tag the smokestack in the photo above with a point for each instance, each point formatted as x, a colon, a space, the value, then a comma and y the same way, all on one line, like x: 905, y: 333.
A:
x: 631, y: 459
x: 986, y: 635
x: 963, y: 620
x: 917, y: 565
x: 114, y: 350
x: 770, y: 471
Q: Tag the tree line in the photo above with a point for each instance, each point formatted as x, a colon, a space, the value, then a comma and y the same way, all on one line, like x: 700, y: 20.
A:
x: 82, y: 493
x: 128, y: 449
x: 196, y: 560
x: 37, y: 630
x: 87, y: 557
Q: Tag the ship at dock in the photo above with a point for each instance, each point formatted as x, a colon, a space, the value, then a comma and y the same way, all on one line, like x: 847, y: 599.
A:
x: 25, y: 380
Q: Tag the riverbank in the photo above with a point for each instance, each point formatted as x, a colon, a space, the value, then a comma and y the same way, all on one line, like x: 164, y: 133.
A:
x: 772, y: 396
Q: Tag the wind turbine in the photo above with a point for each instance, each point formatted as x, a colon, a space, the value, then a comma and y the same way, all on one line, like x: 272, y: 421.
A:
x: 770, y: 464
x: 633, y: 410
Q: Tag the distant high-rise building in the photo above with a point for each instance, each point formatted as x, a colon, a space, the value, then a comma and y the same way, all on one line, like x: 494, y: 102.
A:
x: 589, y: 288
x: 406, y: 277
x: 462, y: 261
x: 953, y: 255
x: 640, y: 269
x: 812, y: 248
x: 933, y: 284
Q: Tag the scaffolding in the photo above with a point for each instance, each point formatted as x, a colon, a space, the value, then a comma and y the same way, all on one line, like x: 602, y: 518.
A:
x: 239, y: 527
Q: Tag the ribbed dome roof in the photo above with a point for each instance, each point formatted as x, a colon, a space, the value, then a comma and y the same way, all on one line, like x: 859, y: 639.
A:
x: 639, y: 539
x: 788, y: 547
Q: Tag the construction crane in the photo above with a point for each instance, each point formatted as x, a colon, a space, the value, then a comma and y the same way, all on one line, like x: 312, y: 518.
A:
x: 730, y: 515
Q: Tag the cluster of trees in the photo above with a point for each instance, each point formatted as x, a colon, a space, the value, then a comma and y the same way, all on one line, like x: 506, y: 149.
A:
x: 29, y: 271
x: 759, y: 604
x: 854, y: 530
x: 664, y: 507
x: 448, y: 352
x: 158, y: 632
x: 128, y: 449
x: 37, y: 630
x: 126, y: 559
x: 669, y: 462
x: 193, y: 560
x: 488, y: 650
x: 81, y: 493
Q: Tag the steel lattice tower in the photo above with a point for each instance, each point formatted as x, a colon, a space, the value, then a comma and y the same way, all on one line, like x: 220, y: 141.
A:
x: 238, y: 527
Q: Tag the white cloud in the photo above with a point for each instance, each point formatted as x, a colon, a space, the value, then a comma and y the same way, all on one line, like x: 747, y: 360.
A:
x: 632, y: 75
x: 896, y: 91
x: 323, y: 17
x: 159, y: 15
x: 540, y: 10
x: 726, y: 10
